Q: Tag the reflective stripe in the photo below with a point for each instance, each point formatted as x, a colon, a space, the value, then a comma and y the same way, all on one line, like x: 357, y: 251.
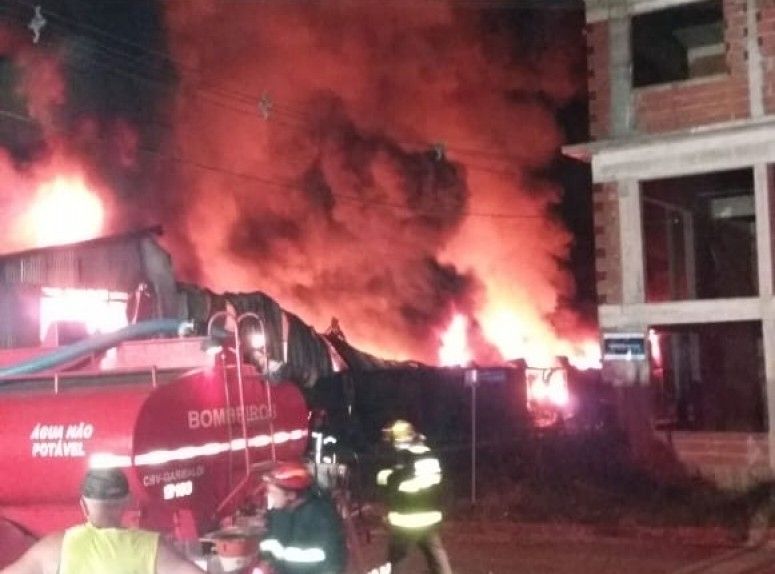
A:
x: 292, y: 553
x: 108, y: 460
x: 383, y: 475
x: 272, y: 546
x: 427, y: 473
x: 427, y: 466
x: 419, y: 483
x: 413, y: 448
x: 414, y: 519
x: 105, y: 460
x: 305, y: 555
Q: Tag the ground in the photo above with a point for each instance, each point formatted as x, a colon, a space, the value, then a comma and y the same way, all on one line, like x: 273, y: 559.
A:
x: 497, y: 552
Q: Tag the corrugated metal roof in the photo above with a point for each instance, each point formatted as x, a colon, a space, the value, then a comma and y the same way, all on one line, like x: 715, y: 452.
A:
x: 118, y: 237
x: 112, y: 262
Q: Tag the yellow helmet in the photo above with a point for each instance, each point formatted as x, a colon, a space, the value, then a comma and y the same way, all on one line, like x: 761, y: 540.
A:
x: 400, y: 431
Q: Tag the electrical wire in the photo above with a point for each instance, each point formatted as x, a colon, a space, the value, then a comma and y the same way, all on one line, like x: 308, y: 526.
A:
x: 118, y: 58
x: 244, y: 98
x: 289, y: 185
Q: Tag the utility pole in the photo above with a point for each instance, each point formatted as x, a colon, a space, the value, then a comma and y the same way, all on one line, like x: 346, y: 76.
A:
x: 471, y: 379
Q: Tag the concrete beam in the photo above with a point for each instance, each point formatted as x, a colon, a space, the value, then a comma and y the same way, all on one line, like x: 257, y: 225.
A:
x: 684, y: 153
x: 599, y: 10
x: 684, y: 312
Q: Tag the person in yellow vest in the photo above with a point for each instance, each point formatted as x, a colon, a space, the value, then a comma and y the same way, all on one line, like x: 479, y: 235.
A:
x: 101, y: 544
x: 411, y: 484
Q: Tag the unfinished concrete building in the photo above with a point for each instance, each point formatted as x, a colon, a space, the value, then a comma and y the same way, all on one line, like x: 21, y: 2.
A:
x: 682, y: 112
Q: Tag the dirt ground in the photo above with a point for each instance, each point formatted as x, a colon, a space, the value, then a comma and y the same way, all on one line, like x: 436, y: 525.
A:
x: 494, y: 553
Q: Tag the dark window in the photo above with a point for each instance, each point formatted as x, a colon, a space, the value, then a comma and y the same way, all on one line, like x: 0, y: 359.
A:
x: 678, y: 44
x: 699, y: 236
x: 709, y: 377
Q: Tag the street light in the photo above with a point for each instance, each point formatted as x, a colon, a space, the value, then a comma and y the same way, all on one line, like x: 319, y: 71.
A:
x: 257, y: 338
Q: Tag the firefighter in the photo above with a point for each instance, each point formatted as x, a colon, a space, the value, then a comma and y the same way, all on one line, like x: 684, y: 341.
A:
x: 101, y: 544
x: 304, y: 533
x: 411, y: 484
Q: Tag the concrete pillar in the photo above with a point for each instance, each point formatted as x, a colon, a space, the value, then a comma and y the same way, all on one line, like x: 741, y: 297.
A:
x: 763, y: 186
x: 620, y: 73
x: 762, y: 180
x: 631, y: 234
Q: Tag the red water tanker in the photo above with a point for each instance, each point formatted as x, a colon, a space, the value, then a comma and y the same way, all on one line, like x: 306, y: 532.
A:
x: 186, y: 439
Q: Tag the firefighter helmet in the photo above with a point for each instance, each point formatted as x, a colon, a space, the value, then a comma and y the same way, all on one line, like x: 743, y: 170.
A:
x: 290, y: 476
x: 400, y: 431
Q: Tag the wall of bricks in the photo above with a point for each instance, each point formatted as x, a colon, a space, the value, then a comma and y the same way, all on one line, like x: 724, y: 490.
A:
x: 730, y: 460
x: 765, y: 24
x: 702, y: 101
x: 598, y: 59
x: 607, y: 244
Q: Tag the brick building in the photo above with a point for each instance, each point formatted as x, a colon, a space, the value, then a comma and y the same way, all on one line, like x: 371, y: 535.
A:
x: 682, y: 112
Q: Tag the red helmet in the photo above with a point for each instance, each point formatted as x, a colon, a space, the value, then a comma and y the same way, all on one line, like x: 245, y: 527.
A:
x: 290, y: 475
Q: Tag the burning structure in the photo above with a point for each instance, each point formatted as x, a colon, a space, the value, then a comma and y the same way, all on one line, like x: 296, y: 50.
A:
x: 681, y: 104
x: 57, y: 295
x: 386, y: 187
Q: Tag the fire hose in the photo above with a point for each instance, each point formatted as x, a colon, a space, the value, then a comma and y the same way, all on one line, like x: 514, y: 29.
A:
x: 97, y: 343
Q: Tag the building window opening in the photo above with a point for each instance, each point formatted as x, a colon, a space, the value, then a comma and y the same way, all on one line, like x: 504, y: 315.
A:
x: 699, y: 237
x: 709, y: 377
x: 678, y: 44
x: 70, y: 314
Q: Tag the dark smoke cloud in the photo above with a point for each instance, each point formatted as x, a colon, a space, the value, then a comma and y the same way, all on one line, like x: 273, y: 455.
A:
x: 361, y: 219
x: 337, y: 204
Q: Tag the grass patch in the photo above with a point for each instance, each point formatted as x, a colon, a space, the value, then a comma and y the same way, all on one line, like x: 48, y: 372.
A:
x: 589, y: 480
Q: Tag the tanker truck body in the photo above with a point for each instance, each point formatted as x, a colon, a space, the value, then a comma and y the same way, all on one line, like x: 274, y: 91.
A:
x: 185, y: 438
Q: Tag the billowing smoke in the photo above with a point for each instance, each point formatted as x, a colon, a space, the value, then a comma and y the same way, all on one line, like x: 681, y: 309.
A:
x: 383, y: 163
x: 397, y: 157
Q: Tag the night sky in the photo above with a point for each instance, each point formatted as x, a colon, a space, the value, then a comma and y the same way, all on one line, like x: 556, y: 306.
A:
x: 121, y: 70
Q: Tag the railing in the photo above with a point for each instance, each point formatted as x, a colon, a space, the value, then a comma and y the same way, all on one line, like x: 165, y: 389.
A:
x: 57, y: 379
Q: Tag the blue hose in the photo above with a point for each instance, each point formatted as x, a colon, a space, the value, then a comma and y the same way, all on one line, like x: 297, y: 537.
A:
x: 91, y: 345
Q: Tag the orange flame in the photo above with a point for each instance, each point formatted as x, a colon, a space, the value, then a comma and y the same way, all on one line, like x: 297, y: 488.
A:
x: 65, y: 210
x: 454, y: 349
x: 517, y: 339
x: 99, y: 310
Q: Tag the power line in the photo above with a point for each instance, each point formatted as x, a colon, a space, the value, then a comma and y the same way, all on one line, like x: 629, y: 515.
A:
x: 292, y: 185
x: 73, y: 65
x: 252, y: 100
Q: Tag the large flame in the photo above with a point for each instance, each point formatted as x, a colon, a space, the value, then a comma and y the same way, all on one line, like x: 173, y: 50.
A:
x: 516, y: 339
x: 99, y: 311
x: 64, y: 211
x: 454, y: 349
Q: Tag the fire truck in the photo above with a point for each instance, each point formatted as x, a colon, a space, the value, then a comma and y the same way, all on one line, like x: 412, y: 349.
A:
x: 191, y: 429
x: 193, y: 413
x: 193, y: 426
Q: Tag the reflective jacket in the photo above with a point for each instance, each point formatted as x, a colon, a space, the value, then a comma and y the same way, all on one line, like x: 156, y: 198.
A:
x: 411, y: 486
x: 307, y: 539
x: 87, y: 549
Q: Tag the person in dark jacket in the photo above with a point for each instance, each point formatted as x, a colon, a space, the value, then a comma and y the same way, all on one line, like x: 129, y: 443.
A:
x: 304, y: 533
x: 411, y: 484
